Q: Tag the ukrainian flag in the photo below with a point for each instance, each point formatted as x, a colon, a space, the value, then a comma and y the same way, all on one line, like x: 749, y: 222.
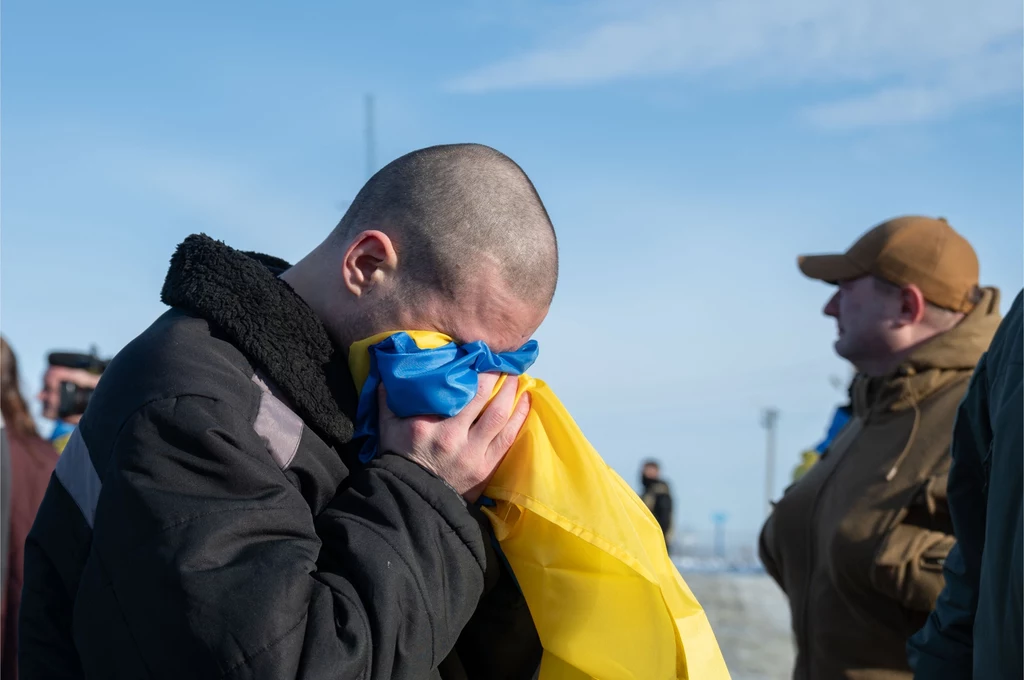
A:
x: 587, y: 553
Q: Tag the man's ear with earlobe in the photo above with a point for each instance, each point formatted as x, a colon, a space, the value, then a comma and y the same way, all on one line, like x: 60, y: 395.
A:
x: 369, y: 260
x: 912, y: 304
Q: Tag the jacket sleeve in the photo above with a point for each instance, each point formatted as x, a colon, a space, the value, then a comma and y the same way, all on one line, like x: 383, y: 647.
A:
x: 908, y: 566
x: 765, y: 551
x: 220, y: 569
x: 500, y: 642
x: 944, y: 647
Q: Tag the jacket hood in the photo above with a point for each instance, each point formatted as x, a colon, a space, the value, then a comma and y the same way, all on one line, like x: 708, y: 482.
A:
x: 962, y: 346
x: 241, y: 295
x: 934, y: 364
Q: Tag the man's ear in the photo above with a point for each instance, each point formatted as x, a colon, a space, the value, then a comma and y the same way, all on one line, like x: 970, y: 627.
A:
x: 369, y: 260
x: 912, y: 304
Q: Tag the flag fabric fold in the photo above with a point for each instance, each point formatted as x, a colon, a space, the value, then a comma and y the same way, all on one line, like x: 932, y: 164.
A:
x: 587, y: 553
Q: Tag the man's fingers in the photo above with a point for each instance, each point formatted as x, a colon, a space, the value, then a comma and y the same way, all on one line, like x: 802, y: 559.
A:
x: 485, y: 386
x: 464, y: 450
x: 503, y: 442
x: 497, y: 413
x: 495, y: 451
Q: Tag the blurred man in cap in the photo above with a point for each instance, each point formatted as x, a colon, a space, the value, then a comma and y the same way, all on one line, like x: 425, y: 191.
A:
x: 859, y: 542
x: 68, y: 384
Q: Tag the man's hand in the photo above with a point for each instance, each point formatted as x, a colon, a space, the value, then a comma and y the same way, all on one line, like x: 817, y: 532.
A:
x: 464, y: 450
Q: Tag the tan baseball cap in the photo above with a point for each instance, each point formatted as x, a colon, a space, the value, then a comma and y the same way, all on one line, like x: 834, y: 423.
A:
x: 923, y: 251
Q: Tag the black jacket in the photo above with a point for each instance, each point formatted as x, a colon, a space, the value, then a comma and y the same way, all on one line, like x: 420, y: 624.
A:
x: 658, y: 499
x: 976, y: 628
x: 209, y: 517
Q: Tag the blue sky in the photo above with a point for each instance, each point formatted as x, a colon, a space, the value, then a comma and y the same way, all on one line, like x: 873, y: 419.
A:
x: 687, y: 152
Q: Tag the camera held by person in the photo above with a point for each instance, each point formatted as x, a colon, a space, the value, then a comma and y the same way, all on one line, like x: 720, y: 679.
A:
x: 68, y: 384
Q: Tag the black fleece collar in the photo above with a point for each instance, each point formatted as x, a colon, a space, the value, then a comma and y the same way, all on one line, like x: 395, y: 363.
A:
x: 264, y: 318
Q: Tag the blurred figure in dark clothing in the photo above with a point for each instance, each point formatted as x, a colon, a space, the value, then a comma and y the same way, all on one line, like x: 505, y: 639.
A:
x: 657, y: 496
x: 28, y: 461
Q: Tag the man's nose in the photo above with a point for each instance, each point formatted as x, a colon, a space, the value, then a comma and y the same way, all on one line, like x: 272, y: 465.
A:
x: 832, y: 306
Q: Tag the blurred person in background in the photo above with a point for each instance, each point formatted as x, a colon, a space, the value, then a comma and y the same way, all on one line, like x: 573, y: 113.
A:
x: 657, y: 496
x: 28, y: 463
x: 858, y: 543
x: 68, y: 383
x: 976, y: 630
x: 211, y: 516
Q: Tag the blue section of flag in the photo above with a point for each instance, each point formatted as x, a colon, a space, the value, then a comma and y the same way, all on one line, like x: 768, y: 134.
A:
x: 839, y: 420
x: 61, y: 429
x: 419, y: 382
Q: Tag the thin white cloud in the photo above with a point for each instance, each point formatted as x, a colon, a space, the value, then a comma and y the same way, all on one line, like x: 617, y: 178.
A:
x: 913, y: 52
x: 977, y: 80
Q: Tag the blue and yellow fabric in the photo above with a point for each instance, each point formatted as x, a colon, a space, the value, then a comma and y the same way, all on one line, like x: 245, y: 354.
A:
x: 60, y: 435
x: 810, y: 457
x: 839, y: 420
x: 587, y: 553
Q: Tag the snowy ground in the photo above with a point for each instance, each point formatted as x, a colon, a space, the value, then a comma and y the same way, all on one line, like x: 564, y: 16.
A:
x: 750, y: 617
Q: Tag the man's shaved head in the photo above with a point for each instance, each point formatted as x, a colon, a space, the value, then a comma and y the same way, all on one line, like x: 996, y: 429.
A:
x: 451, y: 238
x: 453, y: 211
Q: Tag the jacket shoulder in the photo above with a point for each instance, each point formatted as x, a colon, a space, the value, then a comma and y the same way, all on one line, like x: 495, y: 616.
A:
x: 32, y: 460
x: 1006, y: 352
x: 32, y: 448
x: 178, y: 355
x: 659, y: 488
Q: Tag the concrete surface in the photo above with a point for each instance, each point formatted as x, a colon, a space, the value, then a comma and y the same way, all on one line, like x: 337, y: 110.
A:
x: 750, y: 617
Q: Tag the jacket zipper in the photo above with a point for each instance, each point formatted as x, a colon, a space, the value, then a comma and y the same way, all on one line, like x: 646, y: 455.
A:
x: 803, y: 638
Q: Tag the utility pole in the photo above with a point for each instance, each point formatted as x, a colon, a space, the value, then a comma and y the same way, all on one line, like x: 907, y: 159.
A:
x: 371, y: 163
x: 769, y: 420
x: 718, y: 519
